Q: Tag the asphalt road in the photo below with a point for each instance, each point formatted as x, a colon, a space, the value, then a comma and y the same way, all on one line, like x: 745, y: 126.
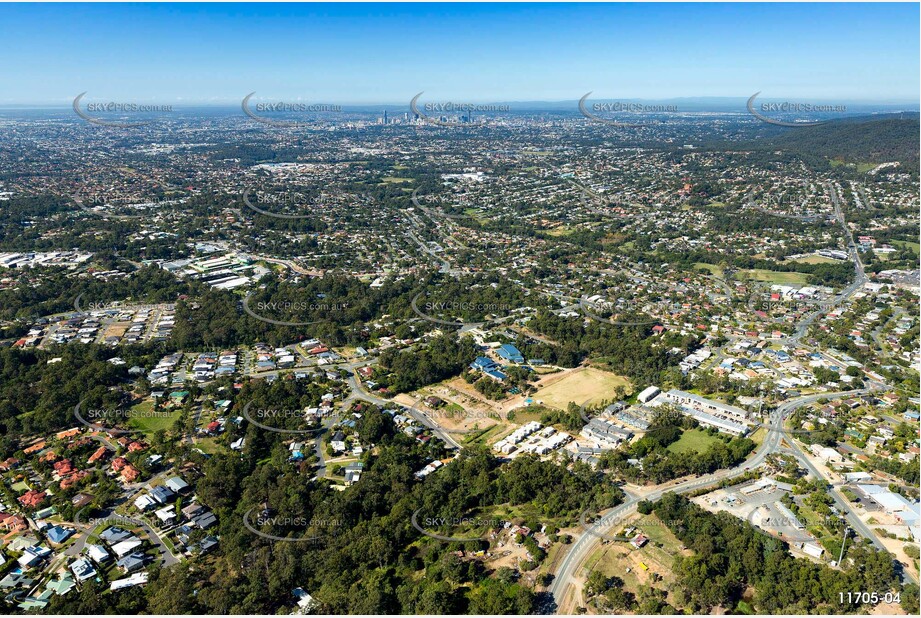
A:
x: 360, y: 393
x: 582, y: 547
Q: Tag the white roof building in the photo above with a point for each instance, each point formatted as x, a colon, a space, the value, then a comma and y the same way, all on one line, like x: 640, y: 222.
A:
x: 813, y: 550
x: 135, y: 580
x: 648, y: 394
x: 97, y: 553
x: 126, y: 547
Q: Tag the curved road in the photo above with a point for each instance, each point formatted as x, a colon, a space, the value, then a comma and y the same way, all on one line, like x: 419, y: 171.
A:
x: 360, y: 393
x: 581, y: 549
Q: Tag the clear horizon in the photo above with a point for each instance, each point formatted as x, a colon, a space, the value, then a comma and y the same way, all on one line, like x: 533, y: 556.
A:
x: 214, y: 54
x: 184, y: 104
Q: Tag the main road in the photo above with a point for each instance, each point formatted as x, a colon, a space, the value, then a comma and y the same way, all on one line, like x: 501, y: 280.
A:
x: 581, y: 548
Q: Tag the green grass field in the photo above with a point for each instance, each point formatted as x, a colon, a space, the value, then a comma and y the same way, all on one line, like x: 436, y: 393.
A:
x: 916, y: 247
x: 208, y: 445
x: 530, y: 413
x: 771, y: 276
x: 758, y: 436
x: 713, y: 268
x: 476, y: 214
x: 145, y: 419
x: 482, y: 436
x: 692, y: 440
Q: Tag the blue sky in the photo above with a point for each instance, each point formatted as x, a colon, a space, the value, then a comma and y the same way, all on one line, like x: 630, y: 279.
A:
x: 378, y: 53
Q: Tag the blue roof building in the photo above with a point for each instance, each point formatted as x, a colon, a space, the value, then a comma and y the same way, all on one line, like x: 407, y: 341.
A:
x: 57, y: 534
x: 510, y: 353
x: 483, y: 364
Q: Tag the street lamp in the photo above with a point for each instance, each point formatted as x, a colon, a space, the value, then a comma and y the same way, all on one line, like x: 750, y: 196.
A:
x: 843, y: 543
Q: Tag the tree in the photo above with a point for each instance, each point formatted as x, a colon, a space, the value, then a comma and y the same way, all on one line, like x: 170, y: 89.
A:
x: 494, y: 597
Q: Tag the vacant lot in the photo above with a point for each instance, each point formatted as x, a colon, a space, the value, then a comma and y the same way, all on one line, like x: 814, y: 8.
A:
x: 692, y: 440
x: 581, y: 386
x: 146, y: 419
x: 713, y: 268
x: 620, y: 559
x: 816, y: 259
x: 772, y: 276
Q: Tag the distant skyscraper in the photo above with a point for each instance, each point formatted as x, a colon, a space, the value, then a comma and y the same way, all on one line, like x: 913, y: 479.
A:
x: 385, y: 116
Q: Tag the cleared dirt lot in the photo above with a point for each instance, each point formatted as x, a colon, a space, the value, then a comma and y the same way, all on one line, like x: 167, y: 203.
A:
x: 585, y: 384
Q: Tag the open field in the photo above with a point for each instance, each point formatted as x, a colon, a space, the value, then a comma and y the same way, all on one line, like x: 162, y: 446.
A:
x: 529, y: 413
x: 620, y: 559
x: 772, y: 276
x: 145, y: 419
x: 816, y: 259
x: 483, y: 436
x: 208, y: 445
x: 692, y: 440
x: 916, y: 247
x: 581, y: 386
x: 713, y: 268
x: 475, y: 213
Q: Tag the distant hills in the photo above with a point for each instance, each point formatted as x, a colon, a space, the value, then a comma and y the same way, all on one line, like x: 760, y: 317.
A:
x: 859, y: 140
